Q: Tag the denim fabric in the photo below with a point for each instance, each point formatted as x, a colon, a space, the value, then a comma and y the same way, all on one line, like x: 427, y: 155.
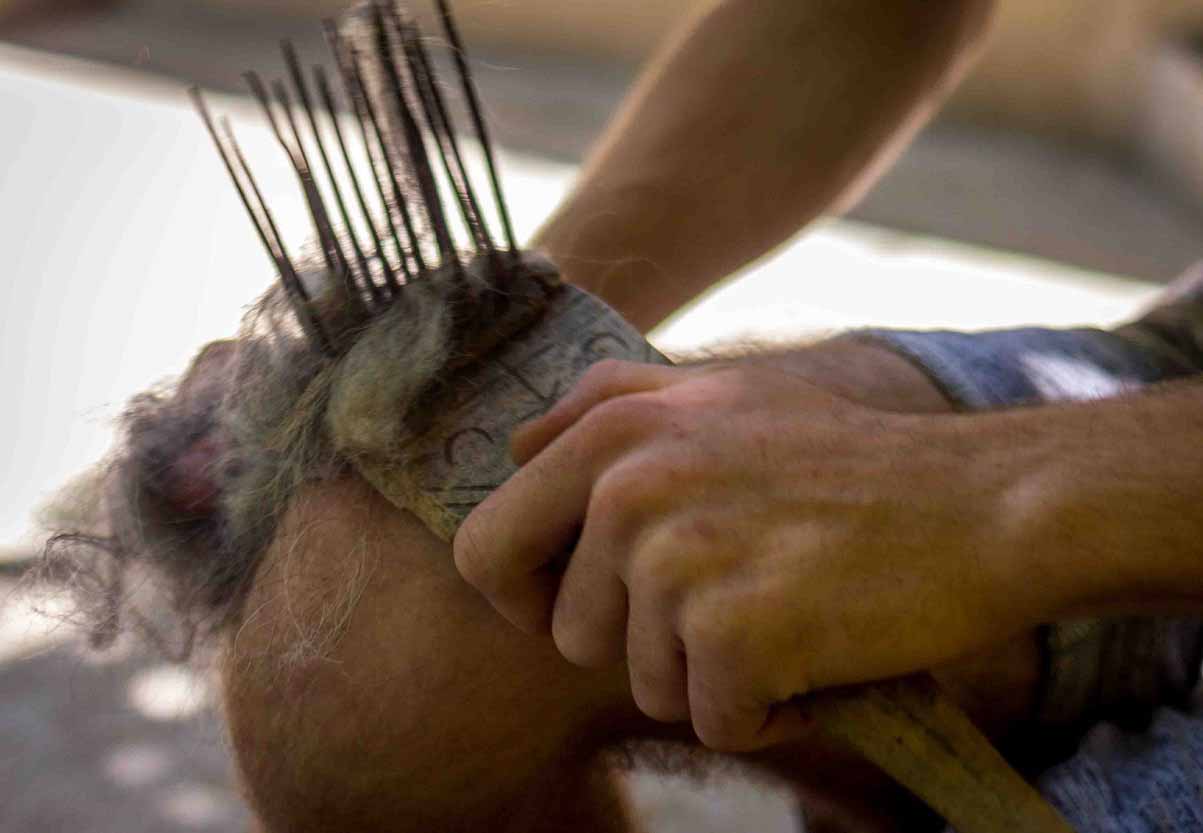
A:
x: 1134, y: 781
x: 1005, y: 368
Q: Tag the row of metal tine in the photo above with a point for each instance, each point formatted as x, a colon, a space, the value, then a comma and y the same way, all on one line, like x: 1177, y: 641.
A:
x: 371, y: 278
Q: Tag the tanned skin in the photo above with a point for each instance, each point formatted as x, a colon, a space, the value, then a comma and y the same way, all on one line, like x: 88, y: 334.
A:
x: 739, y: 538
x: 370, y: 688
x: 758, y: 116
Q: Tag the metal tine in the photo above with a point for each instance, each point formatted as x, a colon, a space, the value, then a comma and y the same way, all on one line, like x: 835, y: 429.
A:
x: 323, y: 86
x: 335, y: 259
x: 459, y: 53
x: 439, y: 122
x: 298, y: 165
x: 265, y: 225
x: 302, y: 90
x: 398, y: 193
x: 415, y: 145
x: 202, y: 108
x: 358, y: 90
x: 364, y: 114
x: 308, y: 315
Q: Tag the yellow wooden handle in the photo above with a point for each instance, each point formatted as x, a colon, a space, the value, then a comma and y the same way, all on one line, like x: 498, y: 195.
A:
x: 926, y: 743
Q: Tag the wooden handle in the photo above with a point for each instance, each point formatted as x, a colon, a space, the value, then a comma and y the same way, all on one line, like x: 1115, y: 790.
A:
x: 926, y: 743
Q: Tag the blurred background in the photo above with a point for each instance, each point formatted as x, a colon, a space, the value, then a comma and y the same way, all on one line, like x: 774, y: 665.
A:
x: 1062, y: 185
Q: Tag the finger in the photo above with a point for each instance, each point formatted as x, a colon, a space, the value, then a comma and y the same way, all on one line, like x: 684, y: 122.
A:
x: 732, y: 711
x: 505, y: 546
x: 725, y: 715
x: 527, y: 602
x: 590, y: 617
x: 604, y: 380
x: 534, y: 517
x: 655, y: 659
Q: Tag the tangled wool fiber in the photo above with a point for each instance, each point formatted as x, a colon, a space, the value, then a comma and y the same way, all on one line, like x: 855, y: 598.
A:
x: 170, y: 532
x: 168, y: 539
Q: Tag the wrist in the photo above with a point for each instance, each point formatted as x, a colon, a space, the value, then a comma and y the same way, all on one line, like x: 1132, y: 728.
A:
x: 993, y: 479
x: 863, y: 372
x: 1052, y: 537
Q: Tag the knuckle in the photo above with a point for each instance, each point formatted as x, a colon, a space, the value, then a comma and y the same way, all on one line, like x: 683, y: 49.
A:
x: 625, y: 415
x: 618, y: 492
x: 634, y: 494
x: 710, y: 630
x: 690, y: 535
x: 660, y: 569
x: 651, y: 477
x: 604, y: 373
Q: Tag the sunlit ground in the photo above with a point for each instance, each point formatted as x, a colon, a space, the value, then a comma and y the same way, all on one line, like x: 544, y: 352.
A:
x: 125, y: 249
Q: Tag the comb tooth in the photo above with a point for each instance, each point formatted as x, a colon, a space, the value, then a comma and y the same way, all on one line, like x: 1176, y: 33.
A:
x: 351, y: 82
x: 415, y: 145
x: 292, y: 281
x: 202, y: 108
x: 266, y: 227
x: 260, y: 92
x: 323, y: 86
x: 458, y: 53
x: 402, y: 206
x: 438, y: 121
x: 335, y: 261
x: 302, y: 90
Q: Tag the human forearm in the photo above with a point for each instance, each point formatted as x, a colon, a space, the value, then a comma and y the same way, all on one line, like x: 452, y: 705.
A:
x: 759, y: 116
x: 864, y: 372
x: 1112, y: 668
x: 1103, y: 499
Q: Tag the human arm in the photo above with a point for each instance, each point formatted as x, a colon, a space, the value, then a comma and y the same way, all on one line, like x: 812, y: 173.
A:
x: 756, y: 118
x: 1113, y: 486
x: 834, y: 546
x: 1117, y: 669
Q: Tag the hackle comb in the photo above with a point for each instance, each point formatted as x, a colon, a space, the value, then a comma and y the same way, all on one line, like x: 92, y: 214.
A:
x: 374, y: 240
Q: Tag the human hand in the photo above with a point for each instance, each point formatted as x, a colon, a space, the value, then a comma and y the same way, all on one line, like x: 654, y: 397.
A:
x: 744, y: 537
